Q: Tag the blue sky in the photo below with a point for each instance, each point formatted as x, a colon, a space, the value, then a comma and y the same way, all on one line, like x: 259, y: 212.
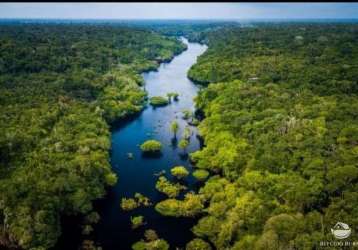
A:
x: 178, y: 10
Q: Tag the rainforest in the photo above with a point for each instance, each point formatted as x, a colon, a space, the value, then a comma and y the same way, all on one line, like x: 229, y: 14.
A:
x: 195, y: 135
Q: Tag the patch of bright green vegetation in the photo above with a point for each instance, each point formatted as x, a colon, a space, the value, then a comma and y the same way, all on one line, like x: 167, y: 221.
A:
x: 201, y: 174
x: 183, y: 144
x: 151, y: 146
x: 198, y: 244
x: 151, y: 242
x: 174, y: 127
x: 280, y: 131
x: 179, y: 172
x: 158, y: 101
x: 128, y: 204
x: 172, y: 190
x: 137, y: 221
x: 191, y: 206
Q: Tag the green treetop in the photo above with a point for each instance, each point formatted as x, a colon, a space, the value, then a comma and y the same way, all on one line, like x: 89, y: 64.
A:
x: 151, y: 146
x: 179, y: 172
x: 174, y: 127
x: 183, y: 144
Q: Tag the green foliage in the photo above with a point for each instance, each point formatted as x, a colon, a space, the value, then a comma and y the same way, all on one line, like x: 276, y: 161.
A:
x: 187, y: 114
x: 179, y: 172
x: 201, y: 174
x: 197, y: 244
x: 280, y: 133
x: 122, y: 97
x: 128, y: 204
x: 191, y: 206
x: 170, y: 189
x: 183, y: 144
x: 152, y: 242
x: 174, y: 127
x: 111, y: 179
x: 151, y: 146
x: 158, y: 244
x: 158, y: 101
x: 60, y: 87
x: 150, y: 235
x: 137, y: 221
x: 142, y: 200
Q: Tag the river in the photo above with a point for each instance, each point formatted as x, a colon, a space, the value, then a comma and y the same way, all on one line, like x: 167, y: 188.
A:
x: 137, y: 174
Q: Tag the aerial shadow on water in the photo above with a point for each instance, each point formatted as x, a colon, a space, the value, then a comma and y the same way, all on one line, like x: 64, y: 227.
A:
x: 184, y: 156
x: 174, y: 142
x: 154, y: 155
x: 120, y: 123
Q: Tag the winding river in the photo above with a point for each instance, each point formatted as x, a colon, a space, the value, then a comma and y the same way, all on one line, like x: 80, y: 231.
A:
x: 138, y: 174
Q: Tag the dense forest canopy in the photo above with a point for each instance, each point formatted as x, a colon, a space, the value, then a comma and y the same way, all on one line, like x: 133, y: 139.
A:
x: 280, y: 128
x: 280, y: 132
x: 60, y: 88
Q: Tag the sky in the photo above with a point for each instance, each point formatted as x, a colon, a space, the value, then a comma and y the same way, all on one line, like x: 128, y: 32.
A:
x: 178, y: 10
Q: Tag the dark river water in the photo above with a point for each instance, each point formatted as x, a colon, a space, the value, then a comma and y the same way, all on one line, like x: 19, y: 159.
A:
x: 137, y: 174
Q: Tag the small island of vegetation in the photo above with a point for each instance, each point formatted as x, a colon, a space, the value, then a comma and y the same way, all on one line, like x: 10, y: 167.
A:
x: 151, y: 242
x: 179, y: 172
x: 151, y: 146
x: 157, y: 101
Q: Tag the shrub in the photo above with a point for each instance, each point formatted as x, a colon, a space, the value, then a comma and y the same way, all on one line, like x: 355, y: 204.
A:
x: 198, y: 244
x: 137, y: 221
x: 151, y: 146
x: 201, y: 174
x: 158, y: 101
x: 151, y: 242
x: 179, y: 172
x: 150, y: 235
x: 128, y: 204
x: 183, y: 144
